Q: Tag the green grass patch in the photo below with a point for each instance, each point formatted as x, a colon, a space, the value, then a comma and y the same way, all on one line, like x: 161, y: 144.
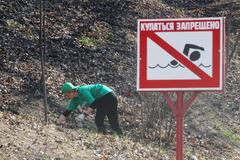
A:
x: 188, y: 152
x: 12, y: 24
x: 87, y: 42
x: 231, y: 135
x: 27, y: 32
x: 163, y: 151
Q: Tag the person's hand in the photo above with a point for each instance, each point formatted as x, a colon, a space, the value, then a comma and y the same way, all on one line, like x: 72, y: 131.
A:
x: 88, y: 111
x: 61, y: 119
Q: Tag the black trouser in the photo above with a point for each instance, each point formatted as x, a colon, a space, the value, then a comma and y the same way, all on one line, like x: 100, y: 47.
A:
x: 107, y: 106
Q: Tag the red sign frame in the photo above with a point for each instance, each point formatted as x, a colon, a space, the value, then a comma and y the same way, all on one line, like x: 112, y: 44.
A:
x: 206, y: 82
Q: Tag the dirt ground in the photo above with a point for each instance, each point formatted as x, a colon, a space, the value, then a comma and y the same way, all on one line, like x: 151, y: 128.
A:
x: 25, y: 137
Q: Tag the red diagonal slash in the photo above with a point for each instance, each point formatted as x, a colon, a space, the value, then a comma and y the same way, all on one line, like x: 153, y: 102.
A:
x: 178, y: 56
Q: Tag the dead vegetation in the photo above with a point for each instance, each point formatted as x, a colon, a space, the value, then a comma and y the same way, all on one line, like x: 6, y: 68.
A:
x: 94, y: 41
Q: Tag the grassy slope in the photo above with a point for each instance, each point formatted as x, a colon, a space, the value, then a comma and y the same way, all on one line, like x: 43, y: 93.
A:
x: 25, y: 136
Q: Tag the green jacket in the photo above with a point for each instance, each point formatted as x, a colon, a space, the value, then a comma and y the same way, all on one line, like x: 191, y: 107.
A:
x: 87, y: 94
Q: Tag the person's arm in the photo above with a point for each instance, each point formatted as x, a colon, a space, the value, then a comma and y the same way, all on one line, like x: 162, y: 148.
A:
x: 71, y: 107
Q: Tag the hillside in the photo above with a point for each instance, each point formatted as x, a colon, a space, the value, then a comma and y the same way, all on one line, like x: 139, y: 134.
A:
x: 95, y: 42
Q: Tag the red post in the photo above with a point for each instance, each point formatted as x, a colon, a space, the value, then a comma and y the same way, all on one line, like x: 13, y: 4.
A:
x: 179, y: 109
x: 179, y: 126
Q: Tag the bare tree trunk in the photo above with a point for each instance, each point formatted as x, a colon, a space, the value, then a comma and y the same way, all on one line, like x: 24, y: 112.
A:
x: 160, y: 131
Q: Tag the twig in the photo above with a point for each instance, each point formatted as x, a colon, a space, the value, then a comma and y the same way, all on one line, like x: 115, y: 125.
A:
x: 19, y: 4
x: 234, y: 47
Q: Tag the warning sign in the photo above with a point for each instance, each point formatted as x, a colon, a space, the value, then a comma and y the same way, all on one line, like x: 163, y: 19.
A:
x: 181, y: 54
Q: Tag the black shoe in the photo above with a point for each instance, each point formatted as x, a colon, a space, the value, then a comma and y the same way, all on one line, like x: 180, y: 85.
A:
x: 102, y: 130
x: 118, y: 132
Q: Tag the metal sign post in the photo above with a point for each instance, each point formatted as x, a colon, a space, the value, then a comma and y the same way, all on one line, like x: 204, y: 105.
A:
x: 178, y: 55
x: 42, y: 44
x: 179, y: 108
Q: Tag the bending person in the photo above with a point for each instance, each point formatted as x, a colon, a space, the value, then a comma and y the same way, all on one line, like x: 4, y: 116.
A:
x: 94, y: 96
